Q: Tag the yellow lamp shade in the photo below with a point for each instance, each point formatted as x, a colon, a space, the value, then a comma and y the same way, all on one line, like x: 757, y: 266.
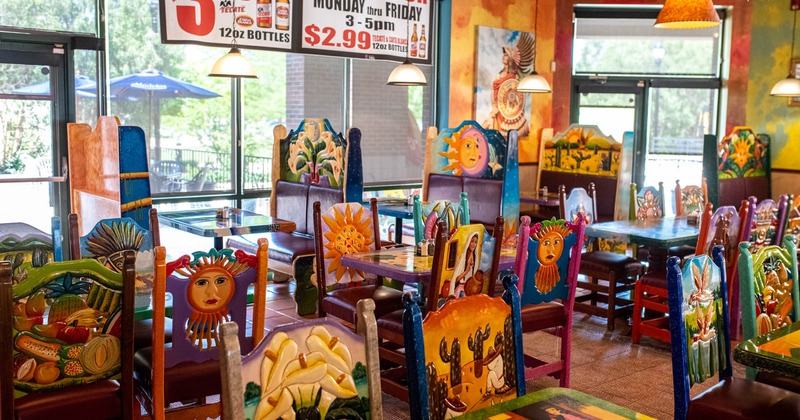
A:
x: 687, y: 14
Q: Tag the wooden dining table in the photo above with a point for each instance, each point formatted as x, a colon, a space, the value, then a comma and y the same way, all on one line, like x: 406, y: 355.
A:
x: 204, y: 222
x: 776, y: 351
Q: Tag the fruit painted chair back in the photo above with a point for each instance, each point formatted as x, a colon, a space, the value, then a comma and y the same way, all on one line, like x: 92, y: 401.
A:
x: 465, y: 356
x: 72, y: 333
x: 24, y: 245
x: 311, y: 369
x: 428, y: 215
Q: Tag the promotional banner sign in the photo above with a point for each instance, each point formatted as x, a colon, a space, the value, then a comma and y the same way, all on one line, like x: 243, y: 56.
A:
x: 382, y: 29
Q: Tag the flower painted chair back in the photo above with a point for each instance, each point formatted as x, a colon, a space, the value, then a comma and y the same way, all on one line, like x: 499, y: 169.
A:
x: 428, y: 215
x: 72, y: 326
x: 767, y: 222
x: 314, y: 153
x: 346, y: 228
x: 769, y: 289
x: 699, y: 328
x: 24, y: 246
x: 312, y: 369
x: 647, y: 203
x: 446, y: 381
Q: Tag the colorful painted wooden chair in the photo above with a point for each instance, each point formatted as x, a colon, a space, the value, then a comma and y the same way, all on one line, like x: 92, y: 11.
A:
x: 22, y: 244
x: 106, y: 242
x: 690, y: 202
x: 701, y: 346
x: 428, y: 215
x: 443, y: 382
x: 465, y: 263
x: 646, y: 204
x: 69, y: 340
x: 207, y: 289
x: 343, y: 229
x: 619, y: 270
x: 315, y: 368
x: 792, y: 219
x: 770, y: 296
x: 547, y: 264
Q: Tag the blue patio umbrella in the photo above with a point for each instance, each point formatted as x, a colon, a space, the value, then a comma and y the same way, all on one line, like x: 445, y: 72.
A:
x: 85, y: 87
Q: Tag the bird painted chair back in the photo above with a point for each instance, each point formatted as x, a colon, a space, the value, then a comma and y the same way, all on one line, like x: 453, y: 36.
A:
x: 316, y: 367
x: 769, y: 289
x: 699, y: 328
x: 24, y: 246
x: 346, y: 228
x: 690, y: 199
x: 428, y: 215
x: 647, y: 203
x: 767, y: 222
x: 443, y: 382
x: 71, y: 326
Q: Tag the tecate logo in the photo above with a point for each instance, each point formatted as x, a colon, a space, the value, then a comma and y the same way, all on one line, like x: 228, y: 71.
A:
x: 282, y: 12
x: 244, y: 21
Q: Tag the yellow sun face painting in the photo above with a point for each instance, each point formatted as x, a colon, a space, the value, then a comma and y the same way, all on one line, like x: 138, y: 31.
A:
x: 346, y: 228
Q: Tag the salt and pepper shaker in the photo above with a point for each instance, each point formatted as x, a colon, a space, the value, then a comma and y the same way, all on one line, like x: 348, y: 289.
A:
x: 430, y: 246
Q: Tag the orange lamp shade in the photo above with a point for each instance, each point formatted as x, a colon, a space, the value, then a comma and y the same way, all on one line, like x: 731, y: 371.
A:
x: 687, y: 14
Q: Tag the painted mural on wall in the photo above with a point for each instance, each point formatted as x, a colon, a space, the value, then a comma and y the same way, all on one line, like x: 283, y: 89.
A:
x: 307, y: 370
x: 346, y: 228
x: 314, y: 153
x: 67, y: 326
x: 702, y: 317
x: 582, y: 149
x: 742, y: 153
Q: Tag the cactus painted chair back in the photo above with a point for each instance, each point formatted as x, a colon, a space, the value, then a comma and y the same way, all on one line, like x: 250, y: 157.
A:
x: 547, y: 264
x: 428, y: 215
x: 312, y: 369
x: 24, y: 245
x: 690, y: 199
x: 207, y: 289
x: 69, y: 329
x: 342, y: 229
x: 769, y: 289
x: 446, y: 381
x: 647, y: 203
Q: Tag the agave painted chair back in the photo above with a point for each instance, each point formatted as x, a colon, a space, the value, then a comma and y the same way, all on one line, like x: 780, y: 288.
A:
x: 346, y: 228
x: 769, y: 289
x: 767, y: 222
x: 698, y: 323
x: 690, y: 199
x: 647, y: 203
x: 73, y: 325
x: 443, y: 380
x: 428, y: 215
x: 25, y: 246
x: 312, y: 367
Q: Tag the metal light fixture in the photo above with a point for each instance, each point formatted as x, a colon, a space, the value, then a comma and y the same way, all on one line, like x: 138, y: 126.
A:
x: 233, y: 64
x: 533, y: 82
x: 790, y: 86
x: 407, y: 74
x: 687, y: 14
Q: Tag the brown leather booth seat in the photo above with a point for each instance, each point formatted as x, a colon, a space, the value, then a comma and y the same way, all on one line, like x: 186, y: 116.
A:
x: 184, y: 381
x: 485, y: 195
x: 98, y: 400
x: 737, y: 398
x: 606, y: 187
x: 340, y: 302
x: 733, y: 190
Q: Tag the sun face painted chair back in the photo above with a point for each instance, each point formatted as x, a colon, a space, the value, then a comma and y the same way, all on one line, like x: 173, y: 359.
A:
x: 481, y: 163
x: 647, y: 203
x: 769, y: 289
x: 690, y: 199
x: 737, y: 167
x: 72, y: 334
x: 443, y: 380
x: 428, y: 215
x: 767, y: 223
x: 312, y: 367
x: 24, y: 246
x: 698, y: 317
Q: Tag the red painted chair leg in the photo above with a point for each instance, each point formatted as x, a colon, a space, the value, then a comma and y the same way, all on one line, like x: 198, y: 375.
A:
x: 637, y: 312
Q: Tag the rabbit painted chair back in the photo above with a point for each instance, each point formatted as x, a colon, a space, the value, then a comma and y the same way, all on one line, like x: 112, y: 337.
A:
x: 24, y: 245
x: 647, y: 203
x: 428, y: 215
x: 443, y: 382
x: 690, y: 199
x: 547, y: 264
x: 315, y: 367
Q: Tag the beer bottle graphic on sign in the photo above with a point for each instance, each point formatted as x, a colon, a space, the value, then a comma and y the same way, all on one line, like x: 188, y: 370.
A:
x: 264, y: 13
x: 414, y: 42
x: 282, y: 15
x: 423, y: 43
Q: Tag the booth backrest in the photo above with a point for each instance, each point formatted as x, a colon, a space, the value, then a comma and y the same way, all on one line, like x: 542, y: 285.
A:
x: 737, y: 167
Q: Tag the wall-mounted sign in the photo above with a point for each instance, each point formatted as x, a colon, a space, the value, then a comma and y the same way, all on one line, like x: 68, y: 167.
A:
x: 382, y: 29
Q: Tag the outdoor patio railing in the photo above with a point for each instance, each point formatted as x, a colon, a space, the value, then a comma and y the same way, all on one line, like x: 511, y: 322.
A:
x: 201, y: 170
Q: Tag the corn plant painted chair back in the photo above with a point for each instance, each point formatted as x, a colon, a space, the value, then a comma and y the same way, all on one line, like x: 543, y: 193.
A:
x: 792, y: 223
x: 769, y: 289
x: 346, y: 228
x: 428, y: 215
x: 477, y: 161
x: 134, y: 177
x: 107, y: 242
x: 25, y: 246
x: 443, y: 382
x: 647, y: 203
x: 317, y: 368
x: 207, y: 289
x: 698, y: 323
x: 73, y: 325
x: 690, y: 199
x: 737, y: 166
x: 767, y: 222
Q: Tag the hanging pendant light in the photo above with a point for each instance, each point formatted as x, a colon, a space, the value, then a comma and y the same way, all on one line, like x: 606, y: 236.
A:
x: 533, y: 82
x: 790, y: 86
x: 407, y: 74
x: 687, y: 14
x: 233, y: 64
